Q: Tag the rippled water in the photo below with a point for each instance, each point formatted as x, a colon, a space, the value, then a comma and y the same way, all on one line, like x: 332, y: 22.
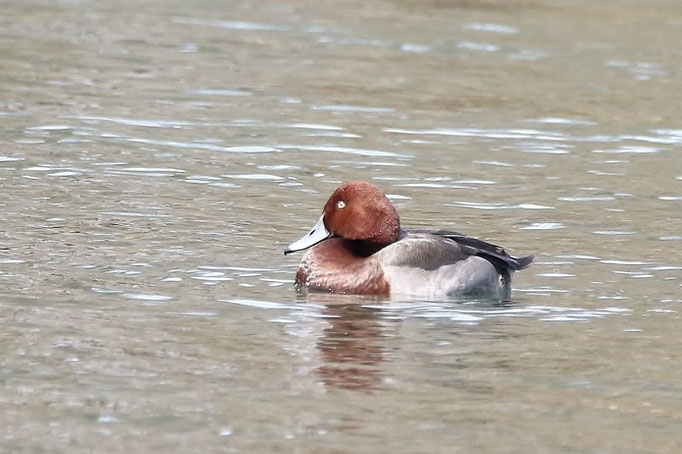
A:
x: 158, y: 156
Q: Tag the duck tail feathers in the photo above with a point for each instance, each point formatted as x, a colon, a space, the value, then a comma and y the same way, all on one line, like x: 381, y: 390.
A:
x: 524, y: 262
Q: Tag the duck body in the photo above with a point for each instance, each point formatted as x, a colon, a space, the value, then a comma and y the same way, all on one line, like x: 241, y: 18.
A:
x: 358, y: 247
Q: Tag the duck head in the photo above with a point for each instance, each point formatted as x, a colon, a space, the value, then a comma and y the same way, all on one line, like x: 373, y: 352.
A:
x: 357, y: 211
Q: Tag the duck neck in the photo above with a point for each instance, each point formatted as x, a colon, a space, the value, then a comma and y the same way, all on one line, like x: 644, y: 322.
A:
x: 364, y: 248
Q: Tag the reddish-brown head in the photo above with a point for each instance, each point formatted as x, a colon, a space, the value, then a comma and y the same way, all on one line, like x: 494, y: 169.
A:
x: 358, y: 210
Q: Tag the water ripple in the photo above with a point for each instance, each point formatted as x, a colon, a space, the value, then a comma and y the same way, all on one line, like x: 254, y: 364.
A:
x: 499, y: 206
x: 578, y: 257
x: 49, y: 128
x: 495, y: 163
x: 221, y: 92
x: 629, y: 149
x: 587, y: 199
x: 492, y: 28
x: 479, y: 132
x: 349, y: 108
x: 639, y: 70
x: 260, y: 304
x: 663, y: 136
x: 544, y: 226
x: 146, y: 171
x: 11, y: 261
x: 231, y: 25
x: 556, y: 275
x: 471, y: 314
x: 138, y: 122
x: 255, y: 176
x: 132, y: 214
x: 417, y: 48
x: 346, y: 150
x: 671, y: 135
x: 200, y: 146
x: 564, y: 121
x: 146, y: 296
x: 313, y: 126
x: 485, y: 47
x: 624, y: 262
x: 10, y: 159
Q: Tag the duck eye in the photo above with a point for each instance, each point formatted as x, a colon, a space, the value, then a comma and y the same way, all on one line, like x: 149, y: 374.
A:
x: 340, y: 205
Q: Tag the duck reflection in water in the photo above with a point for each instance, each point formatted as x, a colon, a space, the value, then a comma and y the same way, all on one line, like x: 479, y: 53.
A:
x: 350, y: 346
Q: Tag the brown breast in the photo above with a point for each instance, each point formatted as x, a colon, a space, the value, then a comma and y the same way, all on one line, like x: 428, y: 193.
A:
x: 332, y: 266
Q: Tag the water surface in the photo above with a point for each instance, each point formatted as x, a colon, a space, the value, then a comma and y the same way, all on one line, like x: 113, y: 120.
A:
x: 157, y: 157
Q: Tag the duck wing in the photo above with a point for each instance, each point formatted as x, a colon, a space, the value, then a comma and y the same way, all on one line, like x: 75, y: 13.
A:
x: 467, y: 246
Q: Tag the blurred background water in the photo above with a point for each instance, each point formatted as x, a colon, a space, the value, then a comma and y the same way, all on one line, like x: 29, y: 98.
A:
x: 158, y: 156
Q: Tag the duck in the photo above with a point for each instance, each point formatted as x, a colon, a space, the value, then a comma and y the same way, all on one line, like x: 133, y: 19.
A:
x: 358, y: 247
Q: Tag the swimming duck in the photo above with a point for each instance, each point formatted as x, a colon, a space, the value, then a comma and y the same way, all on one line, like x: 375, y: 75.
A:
x: 358, y: 247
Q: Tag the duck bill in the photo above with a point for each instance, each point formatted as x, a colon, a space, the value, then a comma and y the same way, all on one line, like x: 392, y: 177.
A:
x: 317, y: 234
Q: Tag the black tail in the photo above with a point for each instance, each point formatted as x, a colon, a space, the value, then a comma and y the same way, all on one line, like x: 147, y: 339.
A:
x: 523, y: 262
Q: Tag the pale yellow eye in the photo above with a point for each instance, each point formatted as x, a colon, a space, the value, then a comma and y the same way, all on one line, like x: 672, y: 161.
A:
x: 340, y: 205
